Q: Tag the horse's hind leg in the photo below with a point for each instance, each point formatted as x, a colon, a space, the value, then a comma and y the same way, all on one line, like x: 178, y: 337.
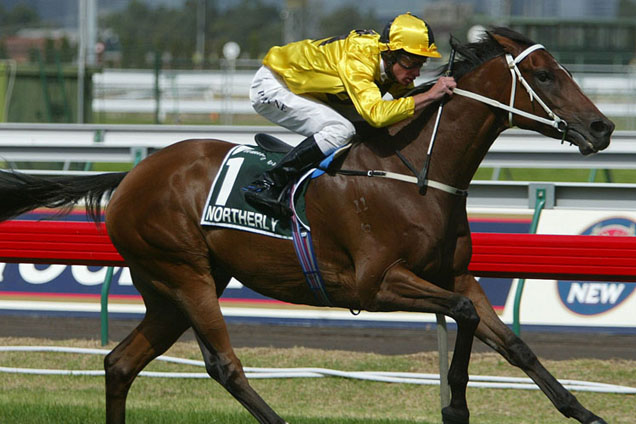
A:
x: 221, y: 369
x: 496, y: 334
x: 198, y: 298
x: 160, y: 328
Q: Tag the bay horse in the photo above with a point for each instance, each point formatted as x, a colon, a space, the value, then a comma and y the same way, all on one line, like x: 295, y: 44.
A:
x: 381, y: 245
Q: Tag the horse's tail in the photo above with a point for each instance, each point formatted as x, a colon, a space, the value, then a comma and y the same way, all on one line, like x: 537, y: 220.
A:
x: 20, y: 193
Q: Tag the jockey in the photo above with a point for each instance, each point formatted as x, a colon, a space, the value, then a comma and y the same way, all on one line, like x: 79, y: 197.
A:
x: 317, y: 88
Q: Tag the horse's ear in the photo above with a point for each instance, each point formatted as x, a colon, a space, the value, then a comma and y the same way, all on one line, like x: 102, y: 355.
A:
x: 508, y: 45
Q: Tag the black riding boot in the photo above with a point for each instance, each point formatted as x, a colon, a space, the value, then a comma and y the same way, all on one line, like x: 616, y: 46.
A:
x: 265, y: 192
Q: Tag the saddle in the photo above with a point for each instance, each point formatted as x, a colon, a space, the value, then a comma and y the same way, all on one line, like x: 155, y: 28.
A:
x: 272, y: 144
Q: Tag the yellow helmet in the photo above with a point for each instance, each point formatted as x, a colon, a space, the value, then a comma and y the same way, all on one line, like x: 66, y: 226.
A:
x: 411, y: 34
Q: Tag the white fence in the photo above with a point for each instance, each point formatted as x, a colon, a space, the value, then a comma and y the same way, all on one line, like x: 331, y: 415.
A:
x: 219, y: 92
x: 72, y: 143
x: 182, y: 92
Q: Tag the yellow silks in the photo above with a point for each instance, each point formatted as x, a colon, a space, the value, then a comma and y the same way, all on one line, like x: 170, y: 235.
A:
x: 346, y: 66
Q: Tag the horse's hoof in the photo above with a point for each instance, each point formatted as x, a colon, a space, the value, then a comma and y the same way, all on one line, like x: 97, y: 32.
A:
x: 454, y: 416
x: 596, y: 420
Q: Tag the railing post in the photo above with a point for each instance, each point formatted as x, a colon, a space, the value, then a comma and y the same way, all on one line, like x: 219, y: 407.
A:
x: 104, y: 304
x: 543, y: 194
x: 496, y: 173
x: 593, y: 172
x: 157, y: 87
x: 442, y: 347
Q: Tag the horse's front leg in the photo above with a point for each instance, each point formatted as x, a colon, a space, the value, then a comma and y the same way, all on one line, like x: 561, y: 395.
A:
x: 401, y: 290
x: 496, y: 334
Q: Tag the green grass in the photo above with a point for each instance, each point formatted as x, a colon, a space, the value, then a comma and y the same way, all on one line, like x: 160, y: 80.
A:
x: 559, y: 175
x: 77, y: 399
x: 180, y: 119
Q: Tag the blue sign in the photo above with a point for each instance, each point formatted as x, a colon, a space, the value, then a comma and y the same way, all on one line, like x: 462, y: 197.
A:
x: 593, y: 298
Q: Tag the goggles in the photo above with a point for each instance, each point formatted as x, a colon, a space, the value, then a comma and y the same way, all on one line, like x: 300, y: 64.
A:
x: 410, y: 62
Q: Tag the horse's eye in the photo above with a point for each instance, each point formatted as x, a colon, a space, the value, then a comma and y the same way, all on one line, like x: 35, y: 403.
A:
x: 543, y: 76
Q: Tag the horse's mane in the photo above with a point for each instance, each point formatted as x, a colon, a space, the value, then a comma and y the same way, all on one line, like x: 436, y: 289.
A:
x: 471, y: 55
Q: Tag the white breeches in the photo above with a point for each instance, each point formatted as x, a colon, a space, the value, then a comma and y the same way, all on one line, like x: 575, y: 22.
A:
x: 304, y: 115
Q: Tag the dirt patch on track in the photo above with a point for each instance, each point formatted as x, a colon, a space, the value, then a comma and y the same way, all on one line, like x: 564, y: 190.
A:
x: 387, y: 341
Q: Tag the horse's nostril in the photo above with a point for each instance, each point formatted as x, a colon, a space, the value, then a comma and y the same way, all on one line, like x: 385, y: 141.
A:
x: 602, y: 127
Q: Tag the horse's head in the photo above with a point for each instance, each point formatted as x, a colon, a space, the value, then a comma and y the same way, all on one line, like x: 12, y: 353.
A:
x: 544, y: 88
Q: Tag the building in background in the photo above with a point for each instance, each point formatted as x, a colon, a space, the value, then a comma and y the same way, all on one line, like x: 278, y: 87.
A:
x: 27, y: 43
x: 577, y: 32
x: 565, y: 9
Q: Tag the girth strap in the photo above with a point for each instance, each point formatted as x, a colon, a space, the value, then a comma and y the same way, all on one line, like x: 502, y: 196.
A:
x: 303, y: 245
x: 400, y: 177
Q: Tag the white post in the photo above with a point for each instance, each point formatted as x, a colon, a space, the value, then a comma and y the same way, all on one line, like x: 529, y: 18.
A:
x: 231, y: 51
x: 91, y: 32
x: 200, y: 43
x: 442, y: 347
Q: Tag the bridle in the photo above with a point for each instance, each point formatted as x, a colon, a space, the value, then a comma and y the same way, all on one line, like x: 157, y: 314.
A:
x: 554, y: 121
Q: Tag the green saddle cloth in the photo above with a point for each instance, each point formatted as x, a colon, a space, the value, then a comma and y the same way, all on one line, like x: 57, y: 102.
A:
x: 226, y: 205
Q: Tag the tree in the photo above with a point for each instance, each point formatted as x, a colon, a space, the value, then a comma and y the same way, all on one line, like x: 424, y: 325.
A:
x: 254, y: 25
x: 347, y: 18
x: 143, y: 30
x: 19, y: 17
x: 627, y: 8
